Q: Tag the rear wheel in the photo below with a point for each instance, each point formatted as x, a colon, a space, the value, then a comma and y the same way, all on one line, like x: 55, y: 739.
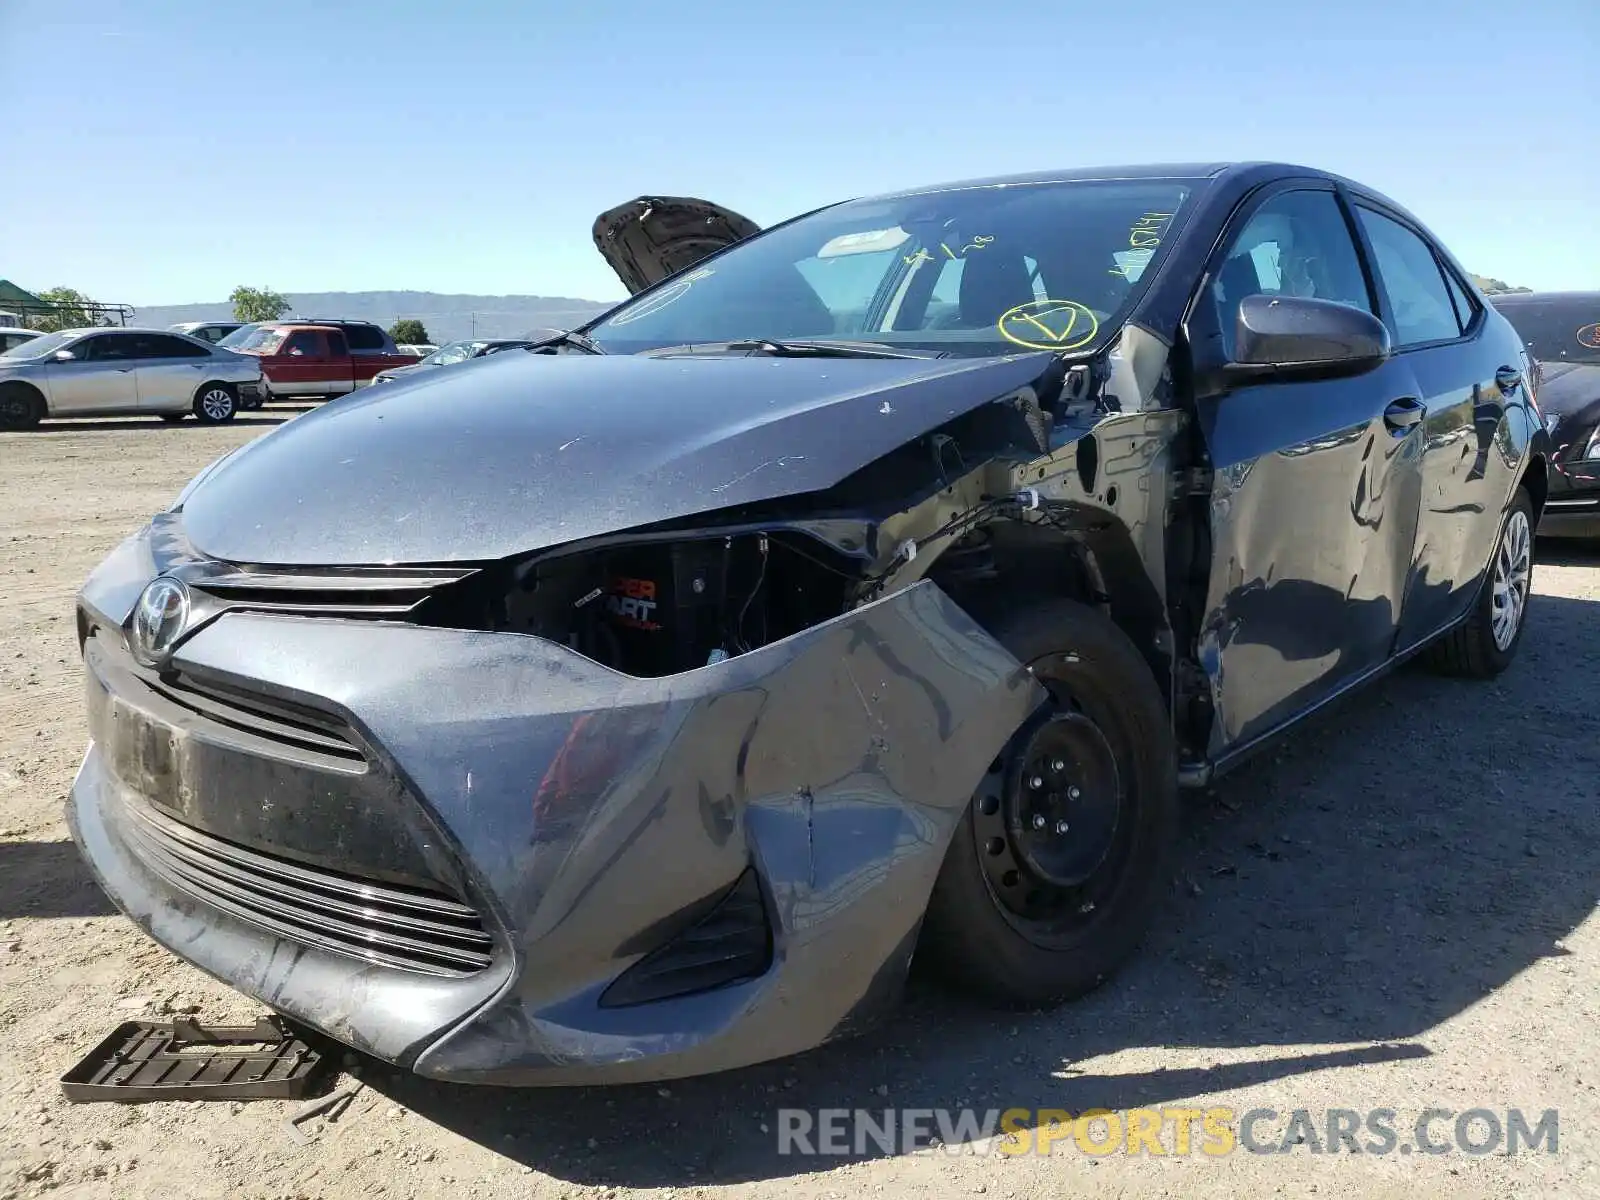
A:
x: 1486, y: 643
x: 21, y: 407
x: 1060, y: 858
x: 215, y: 403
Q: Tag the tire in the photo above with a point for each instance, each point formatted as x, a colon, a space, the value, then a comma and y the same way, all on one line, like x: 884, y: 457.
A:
x: 216, y: 403
x: 173, y: 418
x: 995, y: 926
x: 1484, y: 645
x: 21, y: 407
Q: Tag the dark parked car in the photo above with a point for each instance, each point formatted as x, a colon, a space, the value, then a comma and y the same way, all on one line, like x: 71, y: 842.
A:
x: 638, y: 705
x: 452, y: 353
x: 1562, y: 331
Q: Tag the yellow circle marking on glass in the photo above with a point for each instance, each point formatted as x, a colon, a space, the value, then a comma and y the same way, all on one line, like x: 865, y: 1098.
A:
x: 1049, y: 325
x: 1589, y: 336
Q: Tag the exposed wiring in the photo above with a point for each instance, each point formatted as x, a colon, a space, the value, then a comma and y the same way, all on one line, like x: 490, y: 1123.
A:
x: 761, y: 577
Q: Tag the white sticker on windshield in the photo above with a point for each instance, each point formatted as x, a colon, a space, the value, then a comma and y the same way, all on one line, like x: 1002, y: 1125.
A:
x: 870, y: 242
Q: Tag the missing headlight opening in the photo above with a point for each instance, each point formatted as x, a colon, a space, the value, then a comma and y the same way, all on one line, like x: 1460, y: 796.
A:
x: 654, y: 609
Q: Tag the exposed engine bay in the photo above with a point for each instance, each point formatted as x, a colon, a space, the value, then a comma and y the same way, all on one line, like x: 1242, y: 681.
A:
x: 659, y: 609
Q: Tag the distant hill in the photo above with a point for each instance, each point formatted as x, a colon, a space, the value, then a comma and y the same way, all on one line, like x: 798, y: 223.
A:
x: 447, y: 318
x: 1496, y: 287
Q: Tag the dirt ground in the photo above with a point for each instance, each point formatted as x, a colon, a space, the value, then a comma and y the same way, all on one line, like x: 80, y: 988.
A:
x: 1395, y: 911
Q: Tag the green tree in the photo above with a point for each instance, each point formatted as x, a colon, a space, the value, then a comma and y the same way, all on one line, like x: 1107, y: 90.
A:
x: 71, y: 312
x: 408, y: 331
x: 257, y: 304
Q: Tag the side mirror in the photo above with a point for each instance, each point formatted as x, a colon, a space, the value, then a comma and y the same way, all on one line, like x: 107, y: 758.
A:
x: 1303, y: 338
x: 64, y: 356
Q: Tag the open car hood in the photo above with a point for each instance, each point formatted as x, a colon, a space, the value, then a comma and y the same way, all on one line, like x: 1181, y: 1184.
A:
x: 648, y: 239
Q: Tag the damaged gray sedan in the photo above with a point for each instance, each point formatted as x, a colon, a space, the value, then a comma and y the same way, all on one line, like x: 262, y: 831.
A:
x: 641, y: 703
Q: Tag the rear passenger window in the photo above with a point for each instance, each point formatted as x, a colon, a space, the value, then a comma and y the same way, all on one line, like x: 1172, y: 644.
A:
x: 159, y: 345
x: 1466, y: 310
x: 364, y: 337
x: 1423, y: 308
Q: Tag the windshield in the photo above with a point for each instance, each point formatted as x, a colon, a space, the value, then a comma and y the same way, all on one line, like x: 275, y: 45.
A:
x: 262, y: 341
x: 40, y: 346
x: 972, y: 271
x: 1565, y: 329
x: 453, y: 353
x: 239, y: 336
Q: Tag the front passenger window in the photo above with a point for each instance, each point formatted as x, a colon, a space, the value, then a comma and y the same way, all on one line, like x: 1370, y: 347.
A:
x: 1295, y: 244
x: 1423, y: 311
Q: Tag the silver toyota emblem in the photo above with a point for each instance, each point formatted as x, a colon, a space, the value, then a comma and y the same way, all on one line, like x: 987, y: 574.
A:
x: 159, y: 619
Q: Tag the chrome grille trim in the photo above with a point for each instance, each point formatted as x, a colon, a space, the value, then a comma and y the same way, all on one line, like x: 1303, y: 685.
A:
x: 408, y: 928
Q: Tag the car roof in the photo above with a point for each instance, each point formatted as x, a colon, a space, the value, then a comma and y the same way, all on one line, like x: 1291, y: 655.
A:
x: 324, y: 326
x: 1210, y: 171
x: 124, y: 329
x: 1515, y: 298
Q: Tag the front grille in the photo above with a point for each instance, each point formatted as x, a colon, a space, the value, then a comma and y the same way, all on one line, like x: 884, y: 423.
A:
x: 375, y: 593
x: 291, y: 725
x: 410, y: 928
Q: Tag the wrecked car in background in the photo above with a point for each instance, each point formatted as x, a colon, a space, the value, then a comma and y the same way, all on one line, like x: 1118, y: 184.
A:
x: 639, y: 704
x: 1562, y: 332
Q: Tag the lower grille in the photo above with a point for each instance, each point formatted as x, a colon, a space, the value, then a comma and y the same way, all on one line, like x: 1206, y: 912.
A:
x: 412, y: 929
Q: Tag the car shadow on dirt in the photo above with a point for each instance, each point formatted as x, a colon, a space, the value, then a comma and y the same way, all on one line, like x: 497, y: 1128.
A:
x: 48, y: 879
x: 1392, y: 864
x: 256, y: 417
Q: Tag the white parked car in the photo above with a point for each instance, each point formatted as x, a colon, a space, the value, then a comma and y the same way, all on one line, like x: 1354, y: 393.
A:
x: 119, y: 372
x: 11, y: 337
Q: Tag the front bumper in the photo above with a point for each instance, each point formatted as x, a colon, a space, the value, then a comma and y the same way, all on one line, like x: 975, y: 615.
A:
x: 588, y: 818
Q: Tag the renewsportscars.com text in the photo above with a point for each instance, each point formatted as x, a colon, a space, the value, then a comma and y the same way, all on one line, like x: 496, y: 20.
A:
x: 1174, y: 1130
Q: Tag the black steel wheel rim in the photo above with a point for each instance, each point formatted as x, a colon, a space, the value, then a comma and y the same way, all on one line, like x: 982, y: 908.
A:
x: 1052, y: 859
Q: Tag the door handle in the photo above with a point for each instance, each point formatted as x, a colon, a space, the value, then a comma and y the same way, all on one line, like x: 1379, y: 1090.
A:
x: 1404, y: 413
x: 123, y: 370
x: 1508, y: 379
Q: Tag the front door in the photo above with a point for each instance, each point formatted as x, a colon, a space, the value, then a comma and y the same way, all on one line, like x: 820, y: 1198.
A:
x: 101, y: 377
x: 1316, y: 483
x: 312, y: 362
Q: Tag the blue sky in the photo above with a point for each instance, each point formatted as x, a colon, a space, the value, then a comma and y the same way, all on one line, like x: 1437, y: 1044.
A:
x: 173, y: 150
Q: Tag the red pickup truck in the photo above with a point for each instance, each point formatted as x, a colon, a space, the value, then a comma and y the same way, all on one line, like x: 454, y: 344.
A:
x: 302, y: 358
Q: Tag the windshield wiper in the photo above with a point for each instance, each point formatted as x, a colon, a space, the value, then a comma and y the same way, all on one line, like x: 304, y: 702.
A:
x: 578, y: 341
x: 808, y: 348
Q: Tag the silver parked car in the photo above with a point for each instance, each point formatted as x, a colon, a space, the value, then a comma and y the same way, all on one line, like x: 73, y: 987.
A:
x: 106, y: 372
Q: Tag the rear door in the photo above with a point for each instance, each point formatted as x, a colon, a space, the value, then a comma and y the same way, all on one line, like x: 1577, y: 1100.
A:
x: 1315, y: 489
x: 170, y: 369
x: 369, y: 354
x: 101, y: 377
x: 1467, y: 371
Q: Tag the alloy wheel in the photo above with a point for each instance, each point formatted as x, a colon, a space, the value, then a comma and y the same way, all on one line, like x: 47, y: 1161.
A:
x: 216, y: 403
x: 1513, y: 569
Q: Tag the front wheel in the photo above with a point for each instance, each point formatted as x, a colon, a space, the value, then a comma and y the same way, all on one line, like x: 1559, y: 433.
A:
x: 1059, y: 861
x: 215, y: 403
x: 20, y: 406
x: 1484, y: 645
